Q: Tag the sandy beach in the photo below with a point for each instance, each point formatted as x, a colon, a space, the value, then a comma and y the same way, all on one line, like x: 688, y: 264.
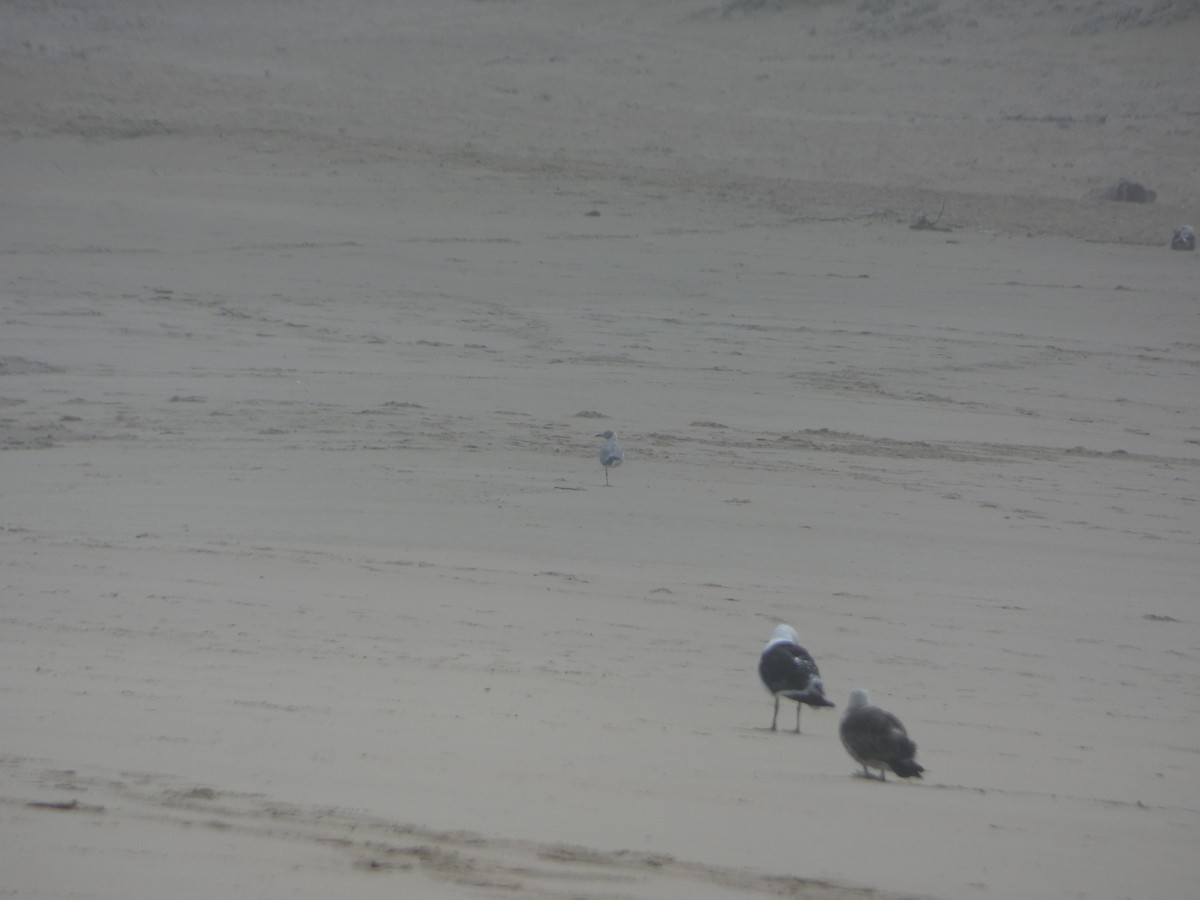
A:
x: 312, y: 585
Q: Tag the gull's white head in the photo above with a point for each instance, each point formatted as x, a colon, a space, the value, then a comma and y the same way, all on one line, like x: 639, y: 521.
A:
x: 783, y: 634
x: 608, y: 435
x: 858, y: 699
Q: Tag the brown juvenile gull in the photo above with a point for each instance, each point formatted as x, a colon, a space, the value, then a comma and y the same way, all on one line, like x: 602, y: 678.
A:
x: 611, y: 454
x: 789, y: 671
x: 877, y: 739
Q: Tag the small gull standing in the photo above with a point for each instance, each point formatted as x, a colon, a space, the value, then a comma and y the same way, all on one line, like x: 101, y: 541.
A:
x: 877, y: 739
x: 611, y: 454
x: 789, y: 671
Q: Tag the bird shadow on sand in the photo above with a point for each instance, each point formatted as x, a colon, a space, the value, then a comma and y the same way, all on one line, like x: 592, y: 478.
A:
x: 765, y: 730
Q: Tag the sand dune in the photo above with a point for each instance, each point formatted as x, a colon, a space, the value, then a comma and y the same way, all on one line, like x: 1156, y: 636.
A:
x: 312, y: 313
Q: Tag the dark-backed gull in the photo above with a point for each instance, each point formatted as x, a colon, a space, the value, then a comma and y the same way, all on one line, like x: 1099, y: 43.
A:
x: 611, y: 454
x: 877, y: 739
x: 789, y: 671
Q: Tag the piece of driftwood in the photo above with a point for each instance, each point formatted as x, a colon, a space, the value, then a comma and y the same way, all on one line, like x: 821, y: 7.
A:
x: 53, y: 804
x: 65, y: 805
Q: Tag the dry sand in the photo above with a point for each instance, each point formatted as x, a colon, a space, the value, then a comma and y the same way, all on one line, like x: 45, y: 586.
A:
x: 311, y: 583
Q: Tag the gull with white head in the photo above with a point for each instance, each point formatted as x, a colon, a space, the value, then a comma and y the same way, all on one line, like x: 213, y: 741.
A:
x: 611, y: 454
x: 790, y: 672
